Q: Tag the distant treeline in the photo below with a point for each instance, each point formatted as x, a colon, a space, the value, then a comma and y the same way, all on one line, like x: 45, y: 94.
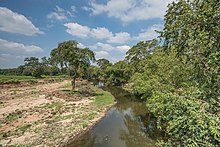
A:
x: 33, y: 67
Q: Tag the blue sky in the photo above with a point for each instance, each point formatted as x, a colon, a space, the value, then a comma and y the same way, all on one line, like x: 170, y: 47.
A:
x: 109, y: 28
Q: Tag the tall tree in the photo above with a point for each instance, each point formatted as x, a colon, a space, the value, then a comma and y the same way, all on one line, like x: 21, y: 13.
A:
x: 75, y: 59
x: 140, y: 52
x: 103, y: 63
x: 192, y: 30
x: 33, y: 67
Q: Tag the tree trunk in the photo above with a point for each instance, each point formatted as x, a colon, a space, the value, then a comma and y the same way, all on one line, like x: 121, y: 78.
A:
x: 73, y: 83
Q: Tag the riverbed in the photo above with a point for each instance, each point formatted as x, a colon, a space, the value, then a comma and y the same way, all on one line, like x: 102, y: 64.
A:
x: 127, y: 124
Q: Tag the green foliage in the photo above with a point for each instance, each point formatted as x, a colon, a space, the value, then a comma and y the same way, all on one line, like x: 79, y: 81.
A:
x: 190, y: 121
x: 33, y: 67
x: 13, y: 116
x: 104, y: 98
x: 76, y: 60
x: 180, y: 81
x: 192, y: 29
x: 103, y: 63
x: 23, y: 128
x: 96, y: 75
x: 140, y: 52
x: 117, y: 74
x: 6, y: 79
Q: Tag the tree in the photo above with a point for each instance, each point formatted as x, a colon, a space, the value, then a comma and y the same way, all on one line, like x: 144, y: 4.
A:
x: 103, y: 63
x: 95, y: 74
x: 117, y: 74
x: 192, y: 30
x: 75, y: 59
x: 140, y: 52
x: 181, y: 82
x: 33, y: 67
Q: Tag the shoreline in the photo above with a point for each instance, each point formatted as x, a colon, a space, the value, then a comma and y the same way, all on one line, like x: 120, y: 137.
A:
x: 50, y: 114
x: 83, y: 132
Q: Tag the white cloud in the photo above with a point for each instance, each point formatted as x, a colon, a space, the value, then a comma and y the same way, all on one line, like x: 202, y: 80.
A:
x: 149, y: 33
x: 120, y: 37
x: 123, y: 48
x: 78, y: 30
x: 81, y: 31
x: 108, y: 47
x: 72, y: 12
x: 130, y: 10
x: 10, y: 61
x: 101, y: 54
x: 101, y: 33
x: 81, y: 45
x: 59, y: 14
x: 102, y: 46
x: 8, y: 47
x: 16, y: 23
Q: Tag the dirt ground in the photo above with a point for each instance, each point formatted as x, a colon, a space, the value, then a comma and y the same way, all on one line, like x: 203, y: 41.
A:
x: 45, y: 114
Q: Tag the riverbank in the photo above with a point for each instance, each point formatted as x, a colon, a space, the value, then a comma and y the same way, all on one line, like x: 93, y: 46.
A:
x: 50, y: 114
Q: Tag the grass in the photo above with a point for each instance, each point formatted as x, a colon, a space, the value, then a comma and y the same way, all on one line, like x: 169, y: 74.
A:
x: 103, y: 98
x: 12, y: 79
x: 56, y: 105
x: 5, y: 79
x: 16, y: 77
x: 70, y: 92
x: 23, y: 128
x: 13, y: 116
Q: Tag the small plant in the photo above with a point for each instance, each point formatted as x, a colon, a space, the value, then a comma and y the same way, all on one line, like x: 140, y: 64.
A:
x: 13, y: 116
x: 23, y: 128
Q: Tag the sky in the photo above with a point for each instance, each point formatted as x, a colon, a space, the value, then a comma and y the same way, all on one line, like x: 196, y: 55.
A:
x: 108, y: 27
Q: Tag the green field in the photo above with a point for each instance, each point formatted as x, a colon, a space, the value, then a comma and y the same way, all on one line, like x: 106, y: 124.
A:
x: 12, y: 79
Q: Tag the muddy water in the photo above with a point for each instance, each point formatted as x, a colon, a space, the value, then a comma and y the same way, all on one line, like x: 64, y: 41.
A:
x: 127, y: 124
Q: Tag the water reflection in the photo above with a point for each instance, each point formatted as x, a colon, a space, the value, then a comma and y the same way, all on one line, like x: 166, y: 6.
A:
x: 127, y: 124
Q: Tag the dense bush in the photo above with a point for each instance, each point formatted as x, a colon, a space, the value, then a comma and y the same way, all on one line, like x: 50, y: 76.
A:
x: 180, y: 83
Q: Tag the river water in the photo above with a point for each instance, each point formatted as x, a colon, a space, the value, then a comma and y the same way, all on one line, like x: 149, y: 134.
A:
x: 127, y: 124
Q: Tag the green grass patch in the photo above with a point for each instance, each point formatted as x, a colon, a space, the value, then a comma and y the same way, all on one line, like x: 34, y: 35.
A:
x: 5, y: 79
x: 16, y: 77
x: 13, y: 116
x: 23, y: 128
x: 57, y: 105
x: 104, y: 98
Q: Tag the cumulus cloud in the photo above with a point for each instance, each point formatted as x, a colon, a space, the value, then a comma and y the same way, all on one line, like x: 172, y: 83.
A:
x: 101, y: 54
x: 12, y: 54
x: 109, y: 48
x: 10, y: 61
x: 81, y: 45
x: 149, y: 33
x: 16, y: 23
x: 101, y: 33
x: 58, y: 14
x: 72, y: 12
x: 120, y: 37
x: 130, y: 10
x: 9, y: 47
x: 102, y: 46
x: 81, y: 31
x: 78, y: 30
x: 123, y: 48
x: 61, y: 14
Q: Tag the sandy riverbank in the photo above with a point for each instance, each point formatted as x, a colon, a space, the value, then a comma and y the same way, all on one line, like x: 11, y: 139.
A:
x: 49, y: 114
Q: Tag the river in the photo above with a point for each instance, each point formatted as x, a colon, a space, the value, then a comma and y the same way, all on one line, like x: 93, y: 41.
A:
x: 127, y: 124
